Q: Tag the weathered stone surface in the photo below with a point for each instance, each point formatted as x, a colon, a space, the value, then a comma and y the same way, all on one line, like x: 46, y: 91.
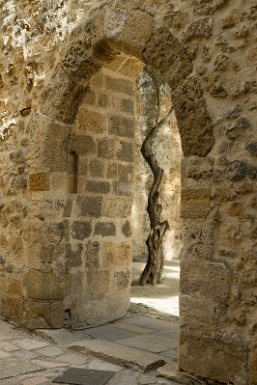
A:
x: 126, y: 152
x: 39, y: 182
x: 120, y: 207
x: 105, y: 148
x: 91, y: 121
x: 98, y: 283
x: 44, y: 286
x: 83, y: 144
x: 89, y: 206
x: 119, y: 354
x: 81, y: 230
x: 121, y: 126
x: 200, y: 129
x: 116, y: 254
x: 119, y: 85
x: 99, y: 187
x: 61, y: 79
x: 105, y: 229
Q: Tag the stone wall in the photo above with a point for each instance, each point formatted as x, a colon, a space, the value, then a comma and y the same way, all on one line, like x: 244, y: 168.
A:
x: 98, y: 217
x: 205, y: 52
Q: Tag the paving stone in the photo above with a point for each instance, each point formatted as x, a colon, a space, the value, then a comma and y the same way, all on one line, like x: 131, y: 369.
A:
x: 151, y: 343
x: 26, y: 354
x: 30, y: 344
x: 167, y: 333
x: 152, y: 323
x: 102, y: 365
x: 119, y: 354
x: 7, y: 347
x: 12, y: 366
x: 133, y: 328
x: 125, y: 377
x: 73, y: 359
x: 172, y: 353
x: 146, y: 378
x: 49, y: 364
x: 4, y: 355
x: 110, y: 333
x: 35, y: 381
x: 10, y: 381
x: 50, y: 351
x: 62, y: 337
x: 168, y: 370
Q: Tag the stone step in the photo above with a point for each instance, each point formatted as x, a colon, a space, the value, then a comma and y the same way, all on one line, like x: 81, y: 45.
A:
x: 61, y: 337
x: 170, y: 371
x: 119, y: 354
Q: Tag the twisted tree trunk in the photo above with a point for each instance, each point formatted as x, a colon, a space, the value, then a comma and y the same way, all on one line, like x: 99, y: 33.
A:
x: 153, y: 270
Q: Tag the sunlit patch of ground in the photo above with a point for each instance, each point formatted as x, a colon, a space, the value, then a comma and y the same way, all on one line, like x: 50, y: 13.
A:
x: 162, y: 298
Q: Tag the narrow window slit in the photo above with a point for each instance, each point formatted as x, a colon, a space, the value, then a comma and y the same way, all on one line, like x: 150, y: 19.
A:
x: 73, y: 172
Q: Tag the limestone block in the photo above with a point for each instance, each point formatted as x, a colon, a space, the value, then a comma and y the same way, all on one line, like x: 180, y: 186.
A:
x: 118, y: 208
x: 121, y: 85
x: 47, y: 148
x: 105, y: 229
x: 121, y: 126
x: 98, y: 283
x: 12, y: 307
x: 39, y: 231
x: 91, y: 121
x: 131, y: 68
x: 126, y: 229
x: 113, y: 306
x: 137, y: 31
x: 122, y: 279
x: 195, y: 203
x: 89, y: 206
x: 58, y: 181
x: 43, y: 287
x: 44, y: 255
x: 123, y: 188
x: 97, y: 168
x: 100, y: 187
x: 167, y: 55
x: 126, y: 152
x: 211, y: 357
x: 112, y: 171
x: 44, y: 314
x: 81, y: 229
x: 14, y: 285
x: 73, y: 254
x: 91, y: 254
x: 106, y: 148
x: 188, y: 101
x: 39, y: 182
x: 116, y: 254
x: 83, y: 144
x: 210, y: 280
x: 125, y: 173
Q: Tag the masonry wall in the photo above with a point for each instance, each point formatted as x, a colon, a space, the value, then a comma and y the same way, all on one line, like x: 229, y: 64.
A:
x: 205, y: 51
x: 98, y: 218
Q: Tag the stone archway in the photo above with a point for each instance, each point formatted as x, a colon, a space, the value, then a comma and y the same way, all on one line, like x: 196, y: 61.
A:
x: 51, y: 151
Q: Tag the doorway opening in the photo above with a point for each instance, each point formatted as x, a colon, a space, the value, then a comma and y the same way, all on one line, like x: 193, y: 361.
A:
x: 108, y: 188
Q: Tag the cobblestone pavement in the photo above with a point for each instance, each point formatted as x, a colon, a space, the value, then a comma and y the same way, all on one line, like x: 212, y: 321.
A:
x: 28, y: 359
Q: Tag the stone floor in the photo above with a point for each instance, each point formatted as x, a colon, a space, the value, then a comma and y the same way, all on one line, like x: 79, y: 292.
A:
x: 132, y: 348
x: 140, y: 349
x: 164, y: 297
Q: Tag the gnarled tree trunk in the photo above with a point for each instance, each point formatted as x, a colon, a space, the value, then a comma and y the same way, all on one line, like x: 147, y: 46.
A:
x: 153, y: 270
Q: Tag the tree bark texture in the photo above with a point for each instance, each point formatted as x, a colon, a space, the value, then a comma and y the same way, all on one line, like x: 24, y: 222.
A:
x: 154, y: 267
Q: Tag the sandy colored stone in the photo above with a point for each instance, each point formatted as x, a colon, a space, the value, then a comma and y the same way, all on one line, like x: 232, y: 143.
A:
x: 119, y: 354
